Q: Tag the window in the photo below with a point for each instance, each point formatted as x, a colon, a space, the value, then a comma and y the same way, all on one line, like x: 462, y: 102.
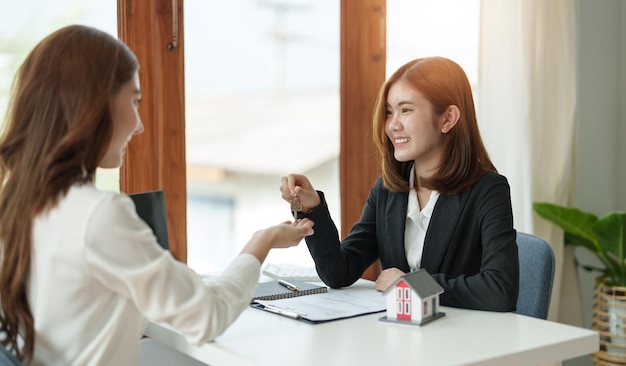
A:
x: 422, y: 28
x: 258, y: 76
x: 302, y: 39
x: 24, y: 25
x: 262, y: 101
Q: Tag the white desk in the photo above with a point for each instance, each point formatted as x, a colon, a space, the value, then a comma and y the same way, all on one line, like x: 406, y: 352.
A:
x: 461, y: 337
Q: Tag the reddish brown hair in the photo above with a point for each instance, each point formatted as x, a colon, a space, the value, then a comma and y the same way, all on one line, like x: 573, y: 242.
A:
x: 57, y: 131
x: 443, y: 83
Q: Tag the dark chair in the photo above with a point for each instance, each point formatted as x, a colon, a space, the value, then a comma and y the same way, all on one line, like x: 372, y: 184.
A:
x: 536, y: 272
x: 150, y: 207
x: 7, y: 358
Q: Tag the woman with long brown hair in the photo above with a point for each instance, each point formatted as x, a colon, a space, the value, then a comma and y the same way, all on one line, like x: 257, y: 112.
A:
x: 80, y: 272
x: 439, y: 205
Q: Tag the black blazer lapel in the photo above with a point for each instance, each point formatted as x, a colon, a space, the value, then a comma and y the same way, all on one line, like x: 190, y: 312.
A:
x: 443, y: 221
x: 395, y: 219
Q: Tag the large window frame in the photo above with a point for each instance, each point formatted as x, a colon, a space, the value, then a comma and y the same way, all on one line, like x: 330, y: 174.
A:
x: 156, y: 159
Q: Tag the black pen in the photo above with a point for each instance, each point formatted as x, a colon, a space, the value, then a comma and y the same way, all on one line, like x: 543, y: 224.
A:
x: 290, y: 286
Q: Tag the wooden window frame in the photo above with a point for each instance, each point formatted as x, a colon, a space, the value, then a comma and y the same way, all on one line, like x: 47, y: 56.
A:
x: 363, y: 63
x: 157, y: 157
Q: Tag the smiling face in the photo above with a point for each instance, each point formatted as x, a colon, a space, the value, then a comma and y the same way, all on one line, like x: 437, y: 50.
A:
x: 412, y: 128
x: 126, y: 122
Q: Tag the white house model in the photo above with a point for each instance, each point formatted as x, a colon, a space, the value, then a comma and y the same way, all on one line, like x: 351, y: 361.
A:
x: 413, y: 299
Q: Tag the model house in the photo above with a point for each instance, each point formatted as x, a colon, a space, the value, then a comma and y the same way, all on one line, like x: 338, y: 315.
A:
x: 414, y: 299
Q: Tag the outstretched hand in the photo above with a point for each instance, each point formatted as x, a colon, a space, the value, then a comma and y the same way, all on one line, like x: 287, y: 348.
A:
x: 284, y: 235
x: 288, y: 234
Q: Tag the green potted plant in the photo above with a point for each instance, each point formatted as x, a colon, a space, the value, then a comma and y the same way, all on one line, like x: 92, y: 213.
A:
x: 604, y: 237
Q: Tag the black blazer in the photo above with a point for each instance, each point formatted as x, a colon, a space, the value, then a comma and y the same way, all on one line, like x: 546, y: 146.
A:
x: 469, y: 249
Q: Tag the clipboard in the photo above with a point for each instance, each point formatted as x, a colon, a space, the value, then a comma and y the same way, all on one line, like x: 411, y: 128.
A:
x: 335, y: 304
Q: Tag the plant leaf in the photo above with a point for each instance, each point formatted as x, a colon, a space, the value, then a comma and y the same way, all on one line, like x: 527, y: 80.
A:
x: 574, y: 222
x: 578, y: 241
x: 611, y: 232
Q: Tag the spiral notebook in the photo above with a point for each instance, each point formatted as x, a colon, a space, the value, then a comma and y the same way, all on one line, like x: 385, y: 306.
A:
x: 359, y: 299
x: 273, y: 290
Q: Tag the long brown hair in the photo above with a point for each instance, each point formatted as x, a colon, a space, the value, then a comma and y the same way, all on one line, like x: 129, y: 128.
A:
x: 57, y: 131
x: 443, y: 83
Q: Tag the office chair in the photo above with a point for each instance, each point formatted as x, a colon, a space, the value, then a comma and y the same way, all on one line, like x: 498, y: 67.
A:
x: 155, y: 353
x: 7, y: 358
x: 150, y: 206
x: 536, y: 275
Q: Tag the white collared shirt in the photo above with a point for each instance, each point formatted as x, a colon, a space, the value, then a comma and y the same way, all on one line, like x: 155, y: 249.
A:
x: 416, y: 224
x: 98, y: 275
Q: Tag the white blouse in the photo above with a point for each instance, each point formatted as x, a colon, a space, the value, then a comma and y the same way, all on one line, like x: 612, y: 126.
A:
x: 416, y: 224
x: 98, y: 275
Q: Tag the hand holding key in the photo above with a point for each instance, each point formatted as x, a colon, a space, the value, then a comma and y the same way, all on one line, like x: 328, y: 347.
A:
x: 298, y: 191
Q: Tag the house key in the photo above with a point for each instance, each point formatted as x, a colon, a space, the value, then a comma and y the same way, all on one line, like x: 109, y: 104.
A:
x: 296, y: 206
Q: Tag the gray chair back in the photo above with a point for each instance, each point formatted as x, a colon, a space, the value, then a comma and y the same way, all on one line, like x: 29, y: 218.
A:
x: 536, y: 272
x: 7, y: 358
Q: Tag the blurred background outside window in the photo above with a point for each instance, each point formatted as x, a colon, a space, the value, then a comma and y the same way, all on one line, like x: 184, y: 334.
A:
x: 262, y: 94
x: 262, y: 99
x: 26, y: 22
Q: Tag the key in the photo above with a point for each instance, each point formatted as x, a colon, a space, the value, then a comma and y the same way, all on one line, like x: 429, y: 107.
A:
x: 296, y: 206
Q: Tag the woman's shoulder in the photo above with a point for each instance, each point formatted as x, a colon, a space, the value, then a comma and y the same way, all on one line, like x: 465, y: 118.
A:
x: 378, y: 188
x: 491, y: 178
x: 91, y: 200
x: 381, y: 193
x: 490, y: 182
x: 88, y: 193
x: 99, y: 211
x: 490, y: 186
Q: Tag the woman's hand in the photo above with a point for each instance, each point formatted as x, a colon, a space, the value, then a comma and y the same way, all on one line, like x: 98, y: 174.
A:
x: 387, y: 278
x: 299, y: 186
x: 288, y: 234
x: 284, y: 235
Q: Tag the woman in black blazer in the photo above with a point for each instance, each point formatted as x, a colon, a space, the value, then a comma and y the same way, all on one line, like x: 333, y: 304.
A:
x: 439, y: 205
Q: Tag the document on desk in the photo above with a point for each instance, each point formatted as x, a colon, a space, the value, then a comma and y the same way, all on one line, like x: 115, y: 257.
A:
x: 335, y: 304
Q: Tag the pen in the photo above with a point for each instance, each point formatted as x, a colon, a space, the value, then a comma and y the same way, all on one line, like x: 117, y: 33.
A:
x: 280, y: 311
x: 290, y: 286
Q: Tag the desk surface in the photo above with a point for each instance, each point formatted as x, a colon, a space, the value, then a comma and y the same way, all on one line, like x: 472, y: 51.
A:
x: 461, y: 337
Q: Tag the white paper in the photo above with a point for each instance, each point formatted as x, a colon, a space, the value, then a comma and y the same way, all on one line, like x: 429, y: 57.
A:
x: 334, y: 304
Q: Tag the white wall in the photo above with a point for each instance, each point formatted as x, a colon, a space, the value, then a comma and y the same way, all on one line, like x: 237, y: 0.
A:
x: 601, y: 154
x: 601, y: 182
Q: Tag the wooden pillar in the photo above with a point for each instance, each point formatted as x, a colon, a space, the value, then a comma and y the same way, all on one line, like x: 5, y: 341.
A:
x: 156, y: 159
x: 363, y: 61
